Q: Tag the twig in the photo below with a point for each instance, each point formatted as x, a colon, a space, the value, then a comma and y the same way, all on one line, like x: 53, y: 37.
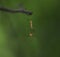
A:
x: 15, y: 10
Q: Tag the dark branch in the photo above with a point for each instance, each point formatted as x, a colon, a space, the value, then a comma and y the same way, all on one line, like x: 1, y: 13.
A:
x: 15, y: 10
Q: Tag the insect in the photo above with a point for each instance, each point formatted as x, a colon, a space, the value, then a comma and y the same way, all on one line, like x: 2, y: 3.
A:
x: 31, y: 27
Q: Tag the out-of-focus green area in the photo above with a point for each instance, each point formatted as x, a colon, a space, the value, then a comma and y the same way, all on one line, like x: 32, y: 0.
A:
x: 14, y: 29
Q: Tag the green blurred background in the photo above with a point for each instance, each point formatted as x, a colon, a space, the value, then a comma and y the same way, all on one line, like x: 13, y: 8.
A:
x: 14, y: 29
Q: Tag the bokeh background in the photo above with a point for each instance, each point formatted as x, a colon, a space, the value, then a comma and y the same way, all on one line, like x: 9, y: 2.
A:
x: 14, y: 29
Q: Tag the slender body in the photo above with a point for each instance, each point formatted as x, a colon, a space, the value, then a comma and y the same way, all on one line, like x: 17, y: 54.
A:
x: 31, y: 24
x: 31, y: 27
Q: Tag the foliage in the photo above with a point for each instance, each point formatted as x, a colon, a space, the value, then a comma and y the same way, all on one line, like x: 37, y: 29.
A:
x: 14, y: 29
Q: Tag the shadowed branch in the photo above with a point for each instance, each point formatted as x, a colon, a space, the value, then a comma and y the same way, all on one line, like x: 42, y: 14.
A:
x: 15, y: 10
